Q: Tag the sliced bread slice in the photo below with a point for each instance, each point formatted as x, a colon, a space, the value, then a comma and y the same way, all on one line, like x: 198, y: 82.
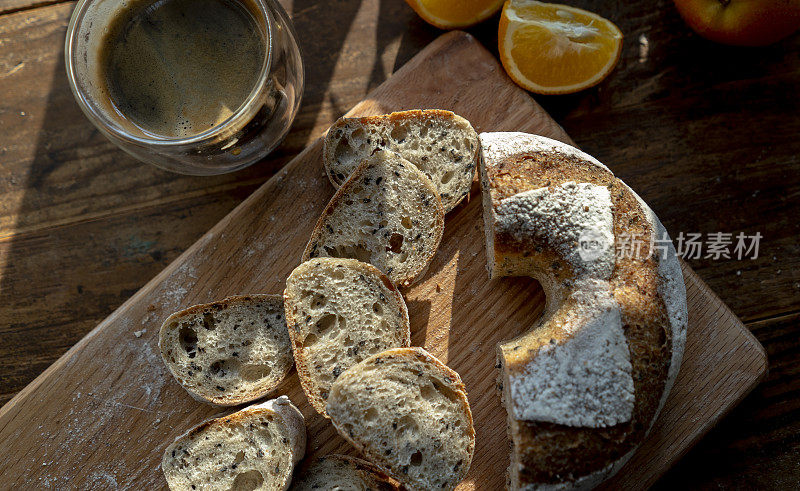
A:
x: 387, y: 214
x: 255, y: 448
x: 228, y: 352
x: 409, y: 414
x: 339, y: 312
x: 441, y: 144
x: 341, y: 472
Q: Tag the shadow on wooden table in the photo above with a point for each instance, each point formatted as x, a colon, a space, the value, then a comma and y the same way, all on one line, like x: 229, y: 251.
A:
x: 337, y: 48
x: 94, y: 224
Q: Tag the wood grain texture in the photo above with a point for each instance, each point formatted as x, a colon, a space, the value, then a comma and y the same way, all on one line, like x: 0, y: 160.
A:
x: 664, y: 121
x: 111, y: 392
x: 65, y: 158
x: 738, y: 363
x: 757, y: 445
x: 70, y: 304
x: 705, y: 133
x: 13, y: 6
x: 83, y: 225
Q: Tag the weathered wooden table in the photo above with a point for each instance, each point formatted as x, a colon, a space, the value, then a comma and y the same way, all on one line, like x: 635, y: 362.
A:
x: 707, y: 134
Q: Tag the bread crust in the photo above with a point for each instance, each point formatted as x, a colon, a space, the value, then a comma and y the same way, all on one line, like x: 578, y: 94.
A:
x: 341, y: 196
x: 298, y: 347
x: 389, y: 121
x: 294, y: 420
x: 649, y: 292
x: 225, y: 399
x: 369, y: 473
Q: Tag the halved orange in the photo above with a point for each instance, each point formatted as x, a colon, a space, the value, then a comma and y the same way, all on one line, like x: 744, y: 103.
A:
x: 549, y: 48
x: 454, y: 14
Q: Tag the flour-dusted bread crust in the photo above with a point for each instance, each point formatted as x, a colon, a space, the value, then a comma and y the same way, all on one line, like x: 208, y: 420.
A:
x: 441, y: 144
x: 409, y: 414
x: 255, y: 449
x: 585, y: 384
x: 228, y: 352
x: 387, y: 214
x: 339, y: 312
x: 345, y: 473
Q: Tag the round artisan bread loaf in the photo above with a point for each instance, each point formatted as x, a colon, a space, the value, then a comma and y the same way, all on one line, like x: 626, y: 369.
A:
x: 584, y: 385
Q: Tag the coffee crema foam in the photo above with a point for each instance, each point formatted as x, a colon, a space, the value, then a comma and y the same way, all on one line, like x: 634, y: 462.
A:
x: 177, y: 68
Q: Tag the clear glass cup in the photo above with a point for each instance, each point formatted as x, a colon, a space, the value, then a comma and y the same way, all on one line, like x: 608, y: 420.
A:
x: 251, y: 132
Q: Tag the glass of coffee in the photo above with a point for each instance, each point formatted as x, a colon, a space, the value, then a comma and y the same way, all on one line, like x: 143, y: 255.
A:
x: 193, y: 86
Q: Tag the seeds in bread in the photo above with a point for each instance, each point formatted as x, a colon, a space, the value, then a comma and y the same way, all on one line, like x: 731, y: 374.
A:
x: 443, y: 145
x: 228, y: 352
x: 341, y: 472
x: 387, y: 214
x: 409, y: 414
x: 255, y: 448
x: 339, y: 312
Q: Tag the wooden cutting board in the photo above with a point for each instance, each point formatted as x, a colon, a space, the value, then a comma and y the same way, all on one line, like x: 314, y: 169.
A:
x: 101, y: 416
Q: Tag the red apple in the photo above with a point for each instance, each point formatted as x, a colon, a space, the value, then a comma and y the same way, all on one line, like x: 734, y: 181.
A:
x: 741, y: 22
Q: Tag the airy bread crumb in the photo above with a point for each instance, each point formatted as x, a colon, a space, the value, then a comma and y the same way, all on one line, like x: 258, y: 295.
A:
x: 409, y: 414
x: 387, y: 214
x: 443, y: 145
x: 339, y: 312
x: 228, y: 352
x: 255, y: 448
